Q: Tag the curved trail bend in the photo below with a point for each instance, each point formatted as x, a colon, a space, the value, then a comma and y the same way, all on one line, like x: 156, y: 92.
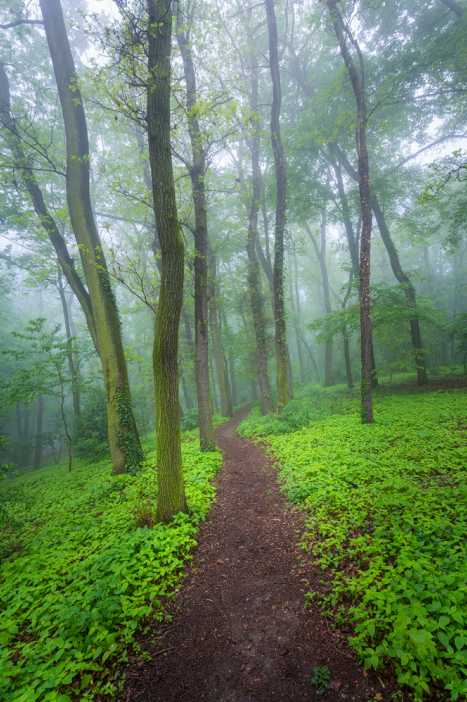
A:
x: 240, y: 631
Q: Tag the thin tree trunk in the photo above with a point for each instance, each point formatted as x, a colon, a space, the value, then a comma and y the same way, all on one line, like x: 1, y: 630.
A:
x: 346, y: 336
x: 409, y: 292
x: 39, y: 439
x: 188, y: 334
x: 320, y: 251
x: 352, y: 238
x: 197, y: 175
x: 298, y: 319
x: 356, y: 76
x: 171, y: 496
x: 328, y: 375
x: 252, y: 247
x: 231, y: 358
x: 70, y: 353
x: 399, y: 274
x: 35, y: 193
x: 284, y: 391
x: 125, y: 447
x: 216, y: 335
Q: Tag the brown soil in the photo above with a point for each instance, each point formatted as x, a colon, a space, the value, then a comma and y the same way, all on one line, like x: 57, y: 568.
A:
x: 240, y: 631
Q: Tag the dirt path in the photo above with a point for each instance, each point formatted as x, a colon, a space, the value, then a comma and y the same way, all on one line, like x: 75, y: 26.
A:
x: 240, y: 632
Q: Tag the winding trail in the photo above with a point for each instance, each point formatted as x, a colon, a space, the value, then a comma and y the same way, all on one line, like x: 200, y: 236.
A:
x: 240, y: 631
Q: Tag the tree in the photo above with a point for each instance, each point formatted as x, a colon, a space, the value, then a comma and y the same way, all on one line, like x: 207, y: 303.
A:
x: 125, y: 447
x: 357, y: 78
x: 197, y: 171
x: 282, y: 357
x: 253, y: 245
x: 171, y: 495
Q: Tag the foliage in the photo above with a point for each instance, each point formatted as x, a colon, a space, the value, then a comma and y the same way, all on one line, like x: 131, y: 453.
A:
x: 386, y: 522
x: 314, y: 404
x: 91, y: 441
x: 85, y: 577
x: 320, y: 679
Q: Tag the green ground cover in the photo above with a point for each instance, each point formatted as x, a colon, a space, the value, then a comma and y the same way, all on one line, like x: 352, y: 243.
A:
x: 386, y: 521
x: 81, y: 574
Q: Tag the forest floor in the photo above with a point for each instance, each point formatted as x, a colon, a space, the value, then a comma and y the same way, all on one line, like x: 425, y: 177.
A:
x: 240, y: 630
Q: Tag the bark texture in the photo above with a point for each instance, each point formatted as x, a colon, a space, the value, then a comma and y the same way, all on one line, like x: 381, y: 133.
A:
x: 125, y: 447
x: 171, y: 496
x: 197, y: 172
x: 284, y: 392
x: 401, y: 276
x: 253, y: 246
x: 356, y: 75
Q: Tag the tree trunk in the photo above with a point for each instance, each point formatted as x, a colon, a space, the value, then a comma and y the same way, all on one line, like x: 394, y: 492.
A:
x: 284, y: 392
x: 197, y: 175
x: 335, y: 155
x: 171, y: 497
x: 39, y: 440
x: 356, y: 76
x: 188, y: 334
x: 231, y: 359
x: 409, y: 292
x: 125, y: 447
x: 328, y: 375
x: 296, y: 326
x: 216, y: 335
x: 399, y: 274
x: 70, y: 353
x: 35, y: 193
x: 320, y: 251
x: 252, y: 247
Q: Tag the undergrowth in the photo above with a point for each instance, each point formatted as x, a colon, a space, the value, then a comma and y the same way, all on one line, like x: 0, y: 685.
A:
x: 81, y: 575
x: 387, y: 522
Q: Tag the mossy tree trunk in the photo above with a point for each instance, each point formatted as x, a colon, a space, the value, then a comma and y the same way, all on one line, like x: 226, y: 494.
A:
x: 284, y: 391
x: 253, y: 245
x: 125, y: 447
x: 171, y: 497
x: 197, y: 171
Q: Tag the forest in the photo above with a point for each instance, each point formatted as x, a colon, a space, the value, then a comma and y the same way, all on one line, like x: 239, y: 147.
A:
x: 233, y: 377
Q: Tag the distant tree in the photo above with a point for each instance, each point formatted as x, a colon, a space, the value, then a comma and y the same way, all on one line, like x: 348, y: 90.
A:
x: 284, y: 391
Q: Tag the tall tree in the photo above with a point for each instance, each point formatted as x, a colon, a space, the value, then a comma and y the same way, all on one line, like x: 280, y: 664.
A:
x: 284, y: 391
x: 401, y: 276
x: 357, y: 79
x: 197, y: 171
x: 171, y: 496
x: 253, y: 245
x: 125, y: 447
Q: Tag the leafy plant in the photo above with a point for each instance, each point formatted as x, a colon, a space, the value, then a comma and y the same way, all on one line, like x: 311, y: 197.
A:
x: 320, y: 679
x: 386, y: 519
x: 88, y: 573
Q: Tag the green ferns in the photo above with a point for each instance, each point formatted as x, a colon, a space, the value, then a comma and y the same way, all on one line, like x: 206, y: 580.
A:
x: 387, y: 518
x: 82, y: 577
